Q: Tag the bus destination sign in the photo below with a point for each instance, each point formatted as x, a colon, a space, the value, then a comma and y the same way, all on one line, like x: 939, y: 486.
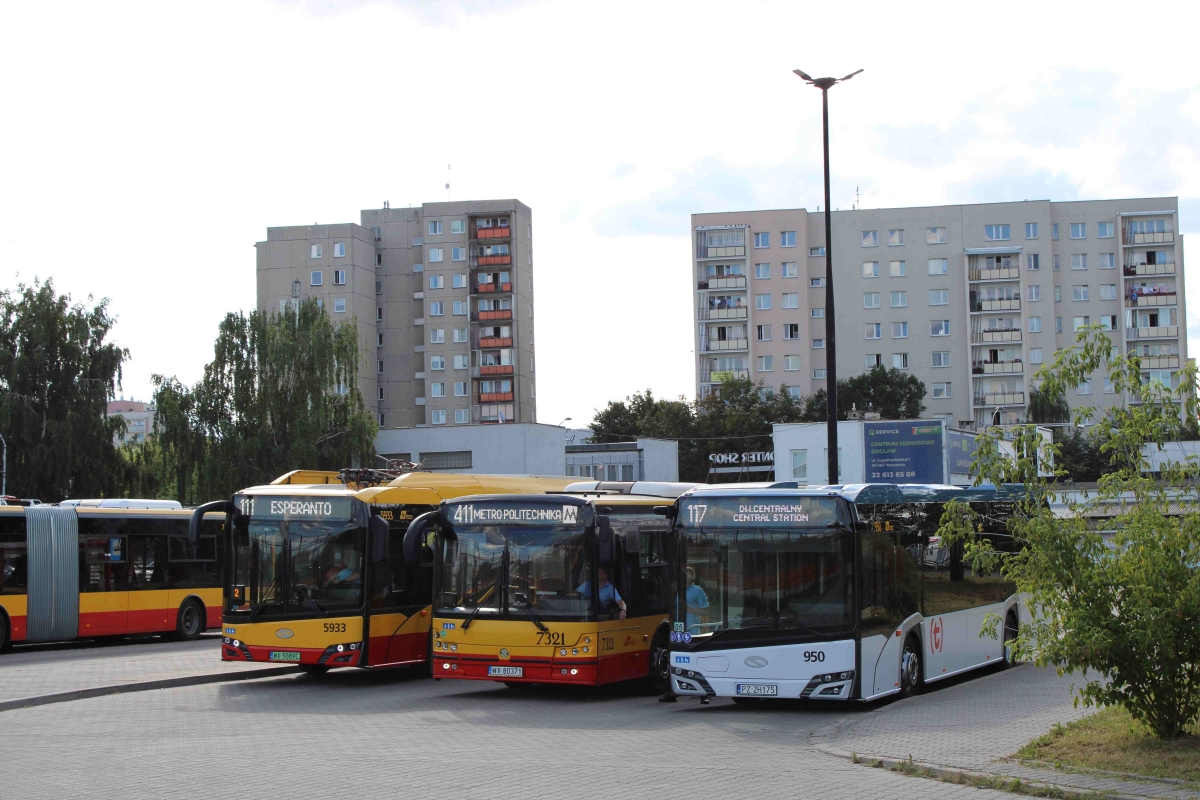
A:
x: 294, y: 508
x: 518, y: 513
x: 759, y: 512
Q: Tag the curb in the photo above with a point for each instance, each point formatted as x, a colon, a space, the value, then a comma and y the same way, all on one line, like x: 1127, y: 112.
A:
x: 144, y: 686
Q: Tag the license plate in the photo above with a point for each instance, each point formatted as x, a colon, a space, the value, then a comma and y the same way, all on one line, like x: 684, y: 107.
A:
x: 758, y: 689
x: 285, y: 655
x: 506, y: 672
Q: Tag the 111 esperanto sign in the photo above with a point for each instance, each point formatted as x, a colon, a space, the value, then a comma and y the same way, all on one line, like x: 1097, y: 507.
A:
x: 903, y: 452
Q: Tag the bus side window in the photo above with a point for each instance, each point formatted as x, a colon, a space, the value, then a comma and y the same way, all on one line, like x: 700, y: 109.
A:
x: 890, y: 583
x: 193, y: 566
x: 656, y: 572
x: 103, y: 555
x: 13, y: 558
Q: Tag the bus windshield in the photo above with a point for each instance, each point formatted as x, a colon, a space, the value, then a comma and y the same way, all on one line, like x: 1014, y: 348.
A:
x: 766, y: 563
x: 518, y: 569
x: 301, y: 559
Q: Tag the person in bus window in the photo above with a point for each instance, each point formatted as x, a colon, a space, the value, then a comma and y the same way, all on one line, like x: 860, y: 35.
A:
x: 609, y: 596
x: 697, y: 599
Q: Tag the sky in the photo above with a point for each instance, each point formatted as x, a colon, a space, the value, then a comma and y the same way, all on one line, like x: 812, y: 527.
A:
x: 148, y: 146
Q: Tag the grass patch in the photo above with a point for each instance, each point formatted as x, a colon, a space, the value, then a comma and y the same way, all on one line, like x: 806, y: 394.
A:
x: 1112, y: 740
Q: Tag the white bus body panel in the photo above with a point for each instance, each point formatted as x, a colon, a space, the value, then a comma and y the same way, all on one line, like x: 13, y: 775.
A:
x: 955, y: 642
x: 782, y: 666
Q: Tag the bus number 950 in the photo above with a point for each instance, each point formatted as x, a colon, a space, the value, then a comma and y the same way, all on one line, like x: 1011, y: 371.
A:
x: 814, y: 655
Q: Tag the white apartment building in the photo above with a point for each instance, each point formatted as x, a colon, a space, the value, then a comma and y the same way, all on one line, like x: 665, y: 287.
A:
x: 442, y: 296
x: 971, y: 299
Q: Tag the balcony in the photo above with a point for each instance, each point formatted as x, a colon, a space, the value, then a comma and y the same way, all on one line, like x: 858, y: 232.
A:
x: 496, y: 369
x: 740, y: 312
x: 495, y: 397
x: 1158, y: 362
x: 738, y: 251
x: 996, y: 274
x: 493, y: 233
x: 722, y: 375
x: 1158, y: 332
x: 720, y: 345
x: 1129, y: 238
x: 980, y: 306
x: 730, y: 282
x: 1133, y: 270
x: 1005, y: 399
x: 997, y: 368
x: 492, y: 288
x: 996, y: 335
x: 491, y: 261
x: 495, y: 341
x: 484, y: 316
x: 1147, y: 300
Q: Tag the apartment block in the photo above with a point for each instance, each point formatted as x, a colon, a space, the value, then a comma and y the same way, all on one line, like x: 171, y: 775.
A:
x: 441, y: 295
x: 971, y: 299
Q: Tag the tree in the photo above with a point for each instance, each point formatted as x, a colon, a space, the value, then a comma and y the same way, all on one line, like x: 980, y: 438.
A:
x: 1046, y: 407
x: 1119, y: 610
x: 57, y: 373
x: 281, y: 393
x: 893, y: 393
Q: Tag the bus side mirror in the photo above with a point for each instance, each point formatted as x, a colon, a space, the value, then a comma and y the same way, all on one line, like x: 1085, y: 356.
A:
x: 604, y: 540
x: 241, y: 529
x: 224, y: 506
x: 379, y: 538
x: 415, y: 536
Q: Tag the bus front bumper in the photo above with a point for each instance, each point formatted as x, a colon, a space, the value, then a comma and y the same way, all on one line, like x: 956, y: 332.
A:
x: 335, y: 655
x: 541, y: 670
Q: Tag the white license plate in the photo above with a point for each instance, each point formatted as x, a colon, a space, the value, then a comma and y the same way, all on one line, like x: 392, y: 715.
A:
x: 758, y: 689
x: 506, y: 672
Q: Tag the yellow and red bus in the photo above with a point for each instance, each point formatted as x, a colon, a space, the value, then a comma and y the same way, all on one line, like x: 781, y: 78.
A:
x: 316, y: 573
x: 106, y: 568
x: 559, y: 588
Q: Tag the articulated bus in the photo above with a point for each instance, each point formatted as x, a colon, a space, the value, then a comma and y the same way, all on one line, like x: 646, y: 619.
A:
x: 831, y: 593
x: 106, y: 568
x: 316, y: 574
x: 553, y: 589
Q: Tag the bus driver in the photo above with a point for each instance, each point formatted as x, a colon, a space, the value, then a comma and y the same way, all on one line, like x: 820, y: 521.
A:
x: 608, y: 593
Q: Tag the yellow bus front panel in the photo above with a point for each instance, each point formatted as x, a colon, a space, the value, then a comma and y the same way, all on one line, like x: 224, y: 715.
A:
x: 328, y: 641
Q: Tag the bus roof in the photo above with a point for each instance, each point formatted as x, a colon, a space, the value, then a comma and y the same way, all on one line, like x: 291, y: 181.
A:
x: 551, y: 498
x: 877, y: 493
x: 413, y: 488
x: 122, y: 502
x: 646, y: 488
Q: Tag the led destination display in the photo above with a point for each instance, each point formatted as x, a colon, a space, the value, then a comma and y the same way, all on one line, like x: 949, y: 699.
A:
x: 295, y: 508
x: 758, y: 512
x: 518, y: 513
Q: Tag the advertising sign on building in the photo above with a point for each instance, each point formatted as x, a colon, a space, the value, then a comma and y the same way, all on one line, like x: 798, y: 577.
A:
x: 903, y: 452
x: 962, y: 449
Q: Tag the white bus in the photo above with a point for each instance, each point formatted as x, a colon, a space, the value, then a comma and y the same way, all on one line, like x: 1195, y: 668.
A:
x: 831, y: 593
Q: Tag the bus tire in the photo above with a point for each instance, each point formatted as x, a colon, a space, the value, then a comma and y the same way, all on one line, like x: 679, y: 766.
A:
x: 5, y: 633
x: 911, y: 675
x: 1010, y: 635
x: 660, y: 663
x: 189, y: 623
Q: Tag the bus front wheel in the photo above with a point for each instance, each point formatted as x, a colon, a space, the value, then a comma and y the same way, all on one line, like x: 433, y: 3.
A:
x: 660, y: 664
x: 190, y: 622
x: 911, y: 677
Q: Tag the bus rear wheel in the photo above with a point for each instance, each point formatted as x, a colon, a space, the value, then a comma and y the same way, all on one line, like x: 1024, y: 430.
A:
x: 911, y: 677
x: 190, y: 622
x: 1010, y: 637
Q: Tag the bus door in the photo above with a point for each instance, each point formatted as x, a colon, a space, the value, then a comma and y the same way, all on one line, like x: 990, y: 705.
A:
x: 103, y: 577
x: 400, y: 592
x: 623, y: 654
x: 150, y: 608
x: 52, y: 574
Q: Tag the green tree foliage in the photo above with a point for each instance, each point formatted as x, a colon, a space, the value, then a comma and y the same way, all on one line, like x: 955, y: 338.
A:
x: 1119, y: 610
x: 57, y: 374
x: 895, y: 394
x: 1045, y: 407
x: 281, y: 393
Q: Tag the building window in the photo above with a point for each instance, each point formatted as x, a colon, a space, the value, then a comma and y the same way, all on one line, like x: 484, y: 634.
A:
x: 379, y: 313
x: 1108, y: 322
x: 766, y: 363
x: 435, y: 255
x: 339, y: 305
x: 1035, y: 293
x: 436, y: 282
x: 1055, y: 263
x: 895, y: 237
x: 379, y: 259
x: 1035, y: 355
x: 899, y: 360
x: 790, y: 269
x: 791, y: 300
x: 1079, y: 322
x: 897, y: 269
x: 314, y: 251
x: 816, y: 313
x: 939, y: 297
x: 1054, y: 231
x: 379, y: 340
x: 816, y: 252
x: 816, y: 283
x: 1108, y: 261
x: 435, y: 227
x: 339, y: 249
x: 870, y: 299
x: 437, y: 335
x: 870, y: 238
x: 791, y: 330
x: 996, y: 233
x: 462, y: 416
x: 899, y: 330
x: 819, y: 374
x: 458, y: 281
x: 874, y: 360
x: 1108, y: 384
x: 787, y: 239
x: 378, y: 287
x: 899, y: 299
x: 1085, y: 387
x: 1108, y: 291
x: 1078, y: 230
x: 1058, y: 294
x: 458, y: 226
x: 762, y: 302
x: 1079, y: 261
x: 1032, y: 262
x: 818, y: 344
x: 762, y: 240
x: 1031, y: 230
x: 935, y: 236
x: 794, y: 391
x: 1058, y: 324
x: 1035, y: 324
x: 762, y: 271
x: 459, y: 309
x: 458, y: 254
x: 437, y: 416
x: 791, y: 363
x: 437, y: 308
x: 939, y: 266
x: 942, y: 391
x: 461, y: 361
x: 316, y: 278
x: 870, y: 269
x: 460, y: 335
x: 460, y: 388
x: 764, y: 333
x: 437, y: 389
x: 418, y: 267
x: 939, y: 327
x: 381, y: 420
x: 1079, y: 293
x: 800, y: 463
x: 941, y: 358
x: 1104, y: 230
x: 436, y: 362
x: 380, y: 392
x: 874, y: 330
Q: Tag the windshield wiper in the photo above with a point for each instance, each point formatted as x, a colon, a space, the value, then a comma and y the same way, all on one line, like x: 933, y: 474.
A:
x: 532, y: 615
x: 266, y: 596
x: 471, y: 617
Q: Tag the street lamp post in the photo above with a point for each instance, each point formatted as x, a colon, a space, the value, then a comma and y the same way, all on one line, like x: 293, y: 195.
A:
x: 824, y: 84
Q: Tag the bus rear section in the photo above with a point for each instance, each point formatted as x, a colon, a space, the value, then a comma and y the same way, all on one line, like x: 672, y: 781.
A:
x: 551, y: 589
x: 86, y: 571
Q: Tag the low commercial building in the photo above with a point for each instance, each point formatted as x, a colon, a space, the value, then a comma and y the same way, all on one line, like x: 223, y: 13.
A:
x: 640, y: 460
